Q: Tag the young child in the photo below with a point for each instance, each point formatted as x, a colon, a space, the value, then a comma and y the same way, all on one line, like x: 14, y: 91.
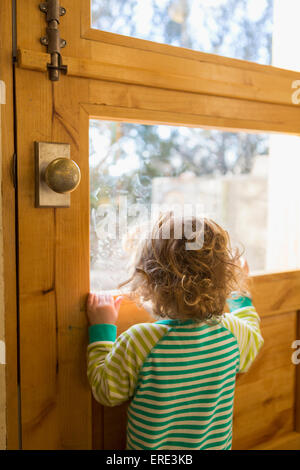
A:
x: 179, y: 371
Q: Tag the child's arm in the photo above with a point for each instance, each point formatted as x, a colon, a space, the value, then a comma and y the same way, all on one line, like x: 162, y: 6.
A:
x: 243, y: 322
x: 113, y: 365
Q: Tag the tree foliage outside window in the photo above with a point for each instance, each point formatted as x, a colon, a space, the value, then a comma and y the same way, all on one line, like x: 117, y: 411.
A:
x: 234, y: 28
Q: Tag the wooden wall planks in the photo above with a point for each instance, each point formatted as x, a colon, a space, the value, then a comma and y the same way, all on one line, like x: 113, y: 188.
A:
x: 8, y: 216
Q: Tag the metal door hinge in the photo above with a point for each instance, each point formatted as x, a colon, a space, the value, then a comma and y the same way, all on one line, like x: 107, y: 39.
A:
x: 52, y: 40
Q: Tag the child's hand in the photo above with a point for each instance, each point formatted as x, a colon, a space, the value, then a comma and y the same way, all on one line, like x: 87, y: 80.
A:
x: 244, y: 265
x: 102, y: 309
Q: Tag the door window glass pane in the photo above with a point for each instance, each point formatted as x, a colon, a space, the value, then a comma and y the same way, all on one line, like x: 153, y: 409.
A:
x: 246, y: 182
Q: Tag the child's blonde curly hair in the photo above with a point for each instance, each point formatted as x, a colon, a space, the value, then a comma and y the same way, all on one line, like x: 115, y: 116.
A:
x: 186, y: 283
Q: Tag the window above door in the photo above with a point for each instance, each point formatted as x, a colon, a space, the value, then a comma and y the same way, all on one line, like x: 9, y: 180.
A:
x: 258, y: 31
x: 240, y: 29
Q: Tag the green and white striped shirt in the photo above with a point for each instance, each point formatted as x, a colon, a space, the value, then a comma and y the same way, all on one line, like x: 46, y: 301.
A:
x: 180, y: 376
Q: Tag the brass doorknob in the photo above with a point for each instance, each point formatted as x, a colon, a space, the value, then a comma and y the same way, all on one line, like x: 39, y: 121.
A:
x: 62, y: 175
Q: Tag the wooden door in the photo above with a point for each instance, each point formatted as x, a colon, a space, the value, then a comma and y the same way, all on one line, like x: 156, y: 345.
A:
x: 117, y: 78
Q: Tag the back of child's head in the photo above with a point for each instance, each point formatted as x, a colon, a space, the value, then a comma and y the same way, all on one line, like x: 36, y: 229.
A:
x: 186, y: 268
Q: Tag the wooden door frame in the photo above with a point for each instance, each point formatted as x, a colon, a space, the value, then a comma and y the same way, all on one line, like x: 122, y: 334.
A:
x: 9, y: 227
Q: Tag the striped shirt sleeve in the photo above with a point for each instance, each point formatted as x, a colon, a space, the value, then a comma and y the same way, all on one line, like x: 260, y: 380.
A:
x: 244, y: 324
x: 113, y: 364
